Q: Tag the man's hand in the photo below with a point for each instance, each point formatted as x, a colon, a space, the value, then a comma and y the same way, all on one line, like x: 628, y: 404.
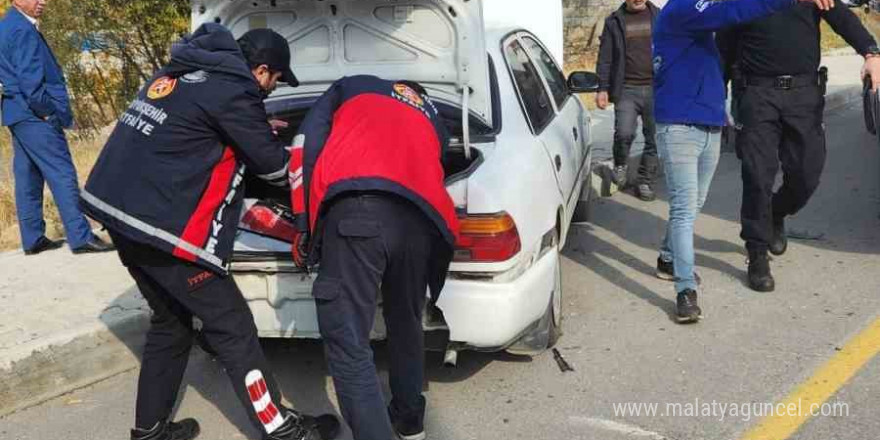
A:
x: 872, y: 68
x: 602, y: 100
x: 300, y: 249
x: 823, y: 5
x: 277, y: 124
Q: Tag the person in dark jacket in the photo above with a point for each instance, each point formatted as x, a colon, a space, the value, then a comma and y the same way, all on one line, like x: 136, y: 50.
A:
x: 690, y: 114
x: 36, y: 108
x: 626, y: 79
x: 169, y: 186
x: 366, y: 172
x: 779, y: 94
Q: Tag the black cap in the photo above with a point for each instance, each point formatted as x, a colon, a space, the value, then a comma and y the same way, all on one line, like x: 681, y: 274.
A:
x: 265, y: 46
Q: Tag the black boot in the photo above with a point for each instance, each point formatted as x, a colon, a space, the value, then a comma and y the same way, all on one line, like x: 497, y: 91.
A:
x: 760, y: 278
x: 686, y: 308
x: 299, y: 426
x: 186, y: 429
x: 779, y: 244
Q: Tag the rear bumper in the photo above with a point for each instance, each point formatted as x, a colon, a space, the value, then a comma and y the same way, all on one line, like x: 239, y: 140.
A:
x: 480, y: 314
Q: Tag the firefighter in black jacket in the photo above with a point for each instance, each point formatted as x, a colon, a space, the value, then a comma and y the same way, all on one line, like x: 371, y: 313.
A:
x: 779, y: 95
x: 168, y: 186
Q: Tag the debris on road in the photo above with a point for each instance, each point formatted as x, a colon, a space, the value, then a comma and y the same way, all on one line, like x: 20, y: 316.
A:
x: 564, y: 366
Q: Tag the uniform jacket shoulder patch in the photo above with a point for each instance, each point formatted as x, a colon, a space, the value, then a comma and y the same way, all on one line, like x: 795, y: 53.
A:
x: 196, y: 77
x: 161, y: 87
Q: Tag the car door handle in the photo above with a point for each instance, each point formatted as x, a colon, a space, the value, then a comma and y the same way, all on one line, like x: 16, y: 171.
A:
x: 558, y: 163
x: 574, y: 131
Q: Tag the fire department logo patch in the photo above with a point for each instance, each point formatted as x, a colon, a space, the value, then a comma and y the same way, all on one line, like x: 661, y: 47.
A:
x: 407, y: 93
x: 161, y: 87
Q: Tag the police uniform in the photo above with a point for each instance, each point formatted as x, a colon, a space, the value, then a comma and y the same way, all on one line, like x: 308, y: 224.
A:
x: 382, y: 223
x: 169, y: 187
x: 779, y: 95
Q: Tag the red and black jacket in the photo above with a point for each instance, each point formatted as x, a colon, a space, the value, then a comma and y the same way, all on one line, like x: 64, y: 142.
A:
x: 171, y: 174
x: 367, y: 134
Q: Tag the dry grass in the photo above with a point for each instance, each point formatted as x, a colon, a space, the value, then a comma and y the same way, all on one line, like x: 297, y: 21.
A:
x: 84, y: 151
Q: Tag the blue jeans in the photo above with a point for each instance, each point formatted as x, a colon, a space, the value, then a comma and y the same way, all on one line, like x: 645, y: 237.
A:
x: 690, y: 155
x: 41, y: 156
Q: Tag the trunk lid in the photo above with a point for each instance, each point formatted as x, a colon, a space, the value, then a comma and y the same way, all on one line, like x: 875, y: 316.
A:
x: 439, y: 43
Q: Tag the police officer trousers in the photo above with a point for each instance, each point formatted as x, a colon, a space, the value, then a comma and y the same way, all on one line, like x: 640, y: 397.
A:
x: 176, y: 291
x: 778, y: 126
x: 372, y: 247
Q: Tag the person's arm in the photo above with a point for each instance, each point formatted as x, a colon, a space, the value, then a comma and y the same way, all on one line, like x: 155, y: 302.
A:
x: 848, y: 26
x: 603, y: 66
x: 728, y: 43
x: 714, y: 15
x: 240, y: 117
x: 29, y: 67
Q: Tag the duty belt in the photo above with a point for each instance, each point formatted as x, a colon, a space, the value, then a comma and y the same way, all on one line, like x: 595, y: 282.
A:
x: 783, y: 82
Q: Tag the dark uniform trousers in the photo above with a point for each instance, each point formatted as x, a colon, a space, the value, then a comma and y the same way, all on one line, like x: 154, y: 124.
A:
x: 778, y: 125
x: 176, y: 291
x: 372, y: 245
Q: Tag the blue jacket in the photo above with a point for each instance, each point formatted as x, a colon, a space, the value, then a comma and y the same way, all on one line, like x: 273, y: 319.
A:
x: 30, y: 74
x: 688, y: 85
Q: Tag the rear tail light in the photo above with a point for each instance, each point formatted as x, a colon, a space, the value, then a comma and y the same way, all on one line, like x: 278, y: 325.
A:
x: 487, y: 238
x: 269, y: 219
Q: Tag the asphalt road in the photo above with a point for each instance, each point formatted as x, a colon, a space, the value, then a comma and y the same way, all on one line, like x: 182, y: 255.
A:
x: 620, y: 339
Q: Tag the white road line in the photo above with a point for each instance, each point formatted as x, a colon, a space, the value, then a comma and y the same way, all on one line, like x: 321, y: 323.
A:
x: 618, y: 427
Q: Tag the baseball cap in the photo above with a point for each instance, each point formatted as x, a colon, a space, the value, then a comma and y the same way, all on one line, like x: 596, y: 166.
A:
x: 265, y: 46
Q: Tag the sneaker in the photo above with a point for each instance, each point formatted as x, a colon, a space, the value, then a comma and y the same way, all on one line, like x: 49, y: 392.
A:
x: 413, y: 429
x: 686, y: 308
x: 186, y: 429
x: 293, y: 429
x: 646, y: 193
x: 666, y: 271
x: 760, y: 278
x: 620, y: 175
x: 779, y: 244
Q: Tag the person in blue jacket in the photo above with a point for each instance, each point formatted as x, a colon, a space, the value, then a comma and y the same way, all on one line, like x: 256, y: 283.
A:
x: 36, y: 109
x: 689, y: 108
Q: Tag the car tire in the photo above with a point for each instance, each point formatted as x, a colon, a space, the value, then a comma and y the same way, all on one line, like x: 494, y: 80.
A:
x: 555, y: 308
x: 544, y: 333
x: 585, y: 199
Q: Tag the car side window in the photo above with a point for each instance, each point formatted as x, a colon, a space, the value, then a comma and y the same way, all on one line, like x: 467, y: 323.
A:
x: 555, y: 78
x: 529, y: 86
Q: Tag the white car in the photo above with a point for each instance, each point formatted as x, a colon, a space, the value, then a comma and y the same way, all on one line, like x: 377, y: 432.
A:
x: 516, y: 174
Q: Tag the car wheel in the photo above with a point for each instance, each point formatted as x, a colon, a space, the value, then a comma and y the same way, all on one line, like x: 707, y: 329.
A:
x: 582, y: 210
x: 544, y: 333
x: 555, y: 309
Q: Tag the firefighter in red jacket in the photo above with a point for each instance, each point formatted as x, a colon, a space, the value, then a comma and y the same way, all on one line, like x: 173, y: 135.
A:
x: 366, y: 170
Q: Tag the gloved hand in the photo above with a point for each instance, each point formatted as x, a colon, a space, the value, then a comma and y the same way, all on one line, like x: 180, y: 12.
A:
x: 300, y: 249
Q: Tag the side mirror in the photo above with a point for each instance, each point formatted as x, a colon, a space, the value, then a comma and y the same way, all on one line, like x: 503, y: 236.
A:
x: 583, y: 82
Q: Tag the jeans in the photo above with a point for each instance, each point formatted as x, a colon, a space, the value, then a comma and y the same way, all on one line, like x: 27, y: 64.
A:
x: 636, y: 101
x: 690, y: 155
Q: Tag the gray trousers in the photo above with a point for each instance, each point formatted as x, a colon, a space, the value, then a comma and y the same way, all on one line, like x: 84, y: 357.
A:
x: 634, y: 102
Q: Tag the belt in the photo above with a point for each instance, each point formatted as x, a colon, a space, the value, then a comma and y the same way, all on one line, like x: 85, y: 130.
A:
x: 783, y: 82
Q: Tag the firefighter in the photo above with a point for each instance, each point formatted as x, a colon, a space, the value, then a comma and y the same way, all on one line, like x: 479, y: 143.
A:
x: 367, y: 164
x: 168, y: 187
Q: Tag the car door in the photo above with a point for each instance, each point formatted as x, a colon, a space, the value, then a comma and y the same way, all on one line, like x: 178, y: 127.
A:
x: 537, y: 105
x: 564, y: 137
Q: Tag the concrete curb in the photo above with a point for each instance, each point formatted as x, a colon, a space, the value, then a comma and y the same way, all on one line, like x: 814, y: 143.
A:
x: 93, y: 354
